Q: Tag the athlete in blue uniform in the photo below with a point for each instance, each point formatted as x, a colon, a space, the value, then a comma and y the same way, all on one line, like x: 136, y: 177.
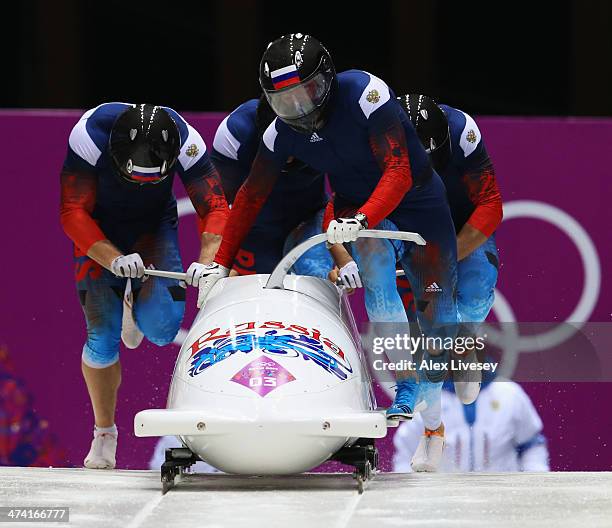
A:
x: 294, y: 208
x: 458, y: 154
x: 351, y: 127
x: 118, y: 208
x: 460, y: 158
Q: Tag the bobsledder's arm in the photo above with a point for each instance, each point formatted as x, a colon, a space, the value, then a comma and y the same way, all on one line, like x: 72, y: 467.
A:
x: 248, y: 202
x: 78, y: 198
x: 204, y: 189
x: 483, y: 192
x: 481, y: 187
x: 338, y: 252
x: 468, y: 240
x: 340, y: 255
x: 389, y: 146
x: 329, y: 213
x: 232, y: 174
x: 206, y: 194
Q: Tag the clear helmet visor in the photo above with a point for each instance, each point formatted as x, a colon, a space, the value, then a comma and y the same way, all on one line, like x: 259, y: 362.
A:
x: 300, y: 100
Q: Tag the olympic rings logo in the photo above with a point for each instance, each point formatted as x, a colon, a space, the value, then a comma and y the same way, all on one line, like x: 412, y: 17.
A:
x: 513, y: 344
x: 509, y: 340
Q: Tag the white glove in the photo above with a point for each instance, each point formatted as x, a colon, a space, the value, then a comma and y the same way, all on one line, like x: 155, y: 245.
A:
x: 194, y: 272
x: 204, y: 277
x: 349, y: 274
x: 343, y: 230
x: 130, y: 266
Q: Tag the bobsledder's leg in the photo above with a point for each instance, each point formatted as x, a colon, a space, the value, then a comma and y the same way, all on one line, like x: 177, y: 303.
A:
x: 405, y: 291
x: 429, y: 452
x: 432, y: 273
x: 101, y: 296
x: 317, y: 261
x: 376, y: 259
x: 476, y: 279
x: 430, y: 394
x: 159, y: 303
x: 428, y: 455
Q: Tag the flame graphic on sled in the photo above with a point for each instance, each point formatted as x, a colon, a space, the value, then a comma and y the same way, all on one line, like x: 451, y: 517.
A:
x: 271, y: 343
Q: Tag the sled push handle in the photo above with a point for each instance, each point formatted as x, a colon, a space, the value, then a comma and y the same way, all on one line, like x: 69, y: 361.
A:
x: 178, y: 275
x: 277, y: 277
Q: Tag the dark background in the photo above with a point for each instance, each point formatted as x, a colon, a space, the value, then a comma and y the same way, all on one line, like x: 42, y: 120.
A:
x: 530, y: 58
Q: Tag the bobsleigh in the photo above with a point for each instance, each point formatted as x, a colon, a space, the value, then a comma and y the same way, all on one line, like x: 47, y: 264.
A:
x: 271, y: 379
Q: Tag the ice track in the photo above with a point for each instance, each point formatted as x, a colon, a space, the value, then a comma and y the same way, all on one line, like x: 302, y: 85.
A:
x: 133, y: 499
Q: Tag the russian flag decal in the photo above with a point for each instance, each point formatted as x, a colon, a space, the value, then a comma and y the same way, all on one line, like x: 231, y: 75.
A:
x: 145, y: 174
x: 284, y: 77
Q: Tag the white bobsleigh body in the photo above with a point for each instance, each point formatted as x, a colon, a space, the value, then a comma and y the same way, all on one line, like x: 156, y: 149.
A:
x: 270, y: 379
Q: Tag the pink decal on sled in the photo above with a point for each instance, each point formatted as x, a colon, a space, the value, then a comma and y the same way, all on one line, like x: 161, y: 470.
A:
x: 263, y: 375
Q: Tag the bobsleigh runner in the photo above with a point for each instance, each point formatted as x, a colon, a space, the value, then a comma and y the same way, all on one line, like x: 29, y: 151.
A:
x: 271, y: 379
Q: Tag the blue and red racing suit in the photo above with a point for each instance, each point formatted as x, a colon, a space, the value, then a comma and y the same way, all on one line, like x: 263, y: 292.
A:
x: 96, y: 204
x: 474, y: 198
x: 376, y: 164
x: 294, y: 206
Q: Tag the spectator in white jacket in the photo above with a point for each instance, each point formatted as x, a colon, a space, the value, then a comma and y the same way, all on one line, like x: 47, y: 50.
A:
x: 500, y: 431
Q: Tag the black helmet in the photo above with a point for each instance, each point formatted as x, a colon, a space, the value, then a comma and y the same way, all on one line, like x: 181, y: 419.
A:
x: 298, y: 78
x: 431, y: 125
x: 144, y: 144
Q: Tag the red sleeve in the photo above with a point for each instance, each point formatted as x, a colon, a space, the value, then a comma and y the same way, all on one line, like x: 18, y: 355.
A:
x: 78, y: 198
x: 206, y: 195
x: 247, y: 204
x: 484, y: 194
x: 391, y: 153
x: 329, y: 214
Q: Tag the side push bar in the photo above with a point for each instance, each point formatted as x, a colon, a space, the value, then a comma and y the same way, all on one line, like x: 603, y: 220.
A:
x: 282, y: 268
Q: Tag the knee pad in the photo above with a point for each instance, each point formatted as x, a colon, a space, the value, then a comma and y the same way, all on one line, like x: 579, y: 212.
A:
x: 161, y: 328
x: 474, y: 301
x: 103, y: 358
x: 316, y: 262
x: 163, y: 338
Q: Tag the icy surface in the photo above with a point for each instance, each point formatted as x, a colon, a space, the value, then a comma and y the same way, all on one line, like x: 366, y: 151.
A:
x: 133, y: 499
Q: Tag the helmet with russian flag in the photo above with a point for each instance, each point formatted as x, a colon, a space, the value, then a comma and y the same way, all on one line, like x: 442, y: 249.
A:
x: 144, y: 144
x: 298, y: 78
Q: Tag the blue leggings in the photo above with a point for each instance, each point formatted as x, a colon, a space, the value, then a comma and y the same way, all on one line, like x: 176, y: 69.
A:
x: 159, y: 303
x: 375, y: 258
x: 476, y: 280
x: 432, y: 268
x: 316, y: 262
